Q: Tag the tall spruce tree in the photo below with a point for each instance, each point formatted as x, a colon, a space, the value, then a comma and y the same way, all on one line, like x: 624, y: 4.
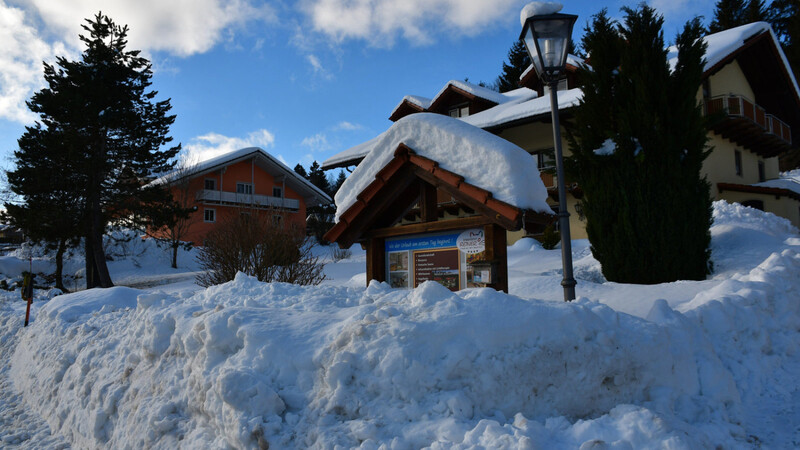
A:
x: 733, y: 13
x: 99, y: 139
x: 518, y: 61
x: 638, y: 148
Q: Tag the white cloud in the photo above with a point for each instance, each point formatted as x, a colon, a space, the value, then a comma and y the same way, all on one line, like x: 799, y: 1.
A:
x: 180, y: 27
x: 319, y: 69
x: 317, y: 142
x: 212, y: 145
x: 380, y: 22
x: 21, y: 63
x: 347, y: 126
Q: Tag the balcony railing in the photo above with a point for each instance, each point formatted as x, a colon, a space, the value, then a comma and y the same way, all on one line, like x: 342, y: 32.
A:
x: 738, y: 106
x: 263, y: 201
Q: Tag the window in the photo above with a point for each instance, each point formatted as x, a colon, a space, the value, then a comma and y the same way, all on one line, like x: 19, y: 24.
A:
x: 244, y: 188
x: 545, y: 159
x: 737, y: 156
x: 757, y: 204
x: 210, y: 215
x: 277, y: 192
x: 762, y: 173
x: 460, y: 111
x: 210, y: 184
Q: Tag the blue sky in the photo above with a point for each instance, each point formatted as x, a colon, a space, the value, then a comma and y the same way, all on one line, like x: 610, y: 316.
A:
x: 303, y: 80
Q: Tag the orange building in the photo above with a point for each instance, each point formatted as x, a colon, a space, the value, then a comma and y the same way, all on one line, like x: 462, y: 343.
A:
x: 241, y: 182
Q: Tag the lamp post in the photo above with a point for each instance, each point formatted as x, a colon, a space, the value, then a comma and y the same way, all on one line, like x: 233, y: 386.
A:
x: 546, y: 33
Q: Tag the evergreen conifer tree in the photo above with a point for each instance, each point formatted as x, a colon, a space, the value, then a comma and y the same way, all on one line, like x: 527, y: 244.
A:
x: 99, y: 140
x: 518, y: 61
x: 638, y: 147
x: 733, y: 13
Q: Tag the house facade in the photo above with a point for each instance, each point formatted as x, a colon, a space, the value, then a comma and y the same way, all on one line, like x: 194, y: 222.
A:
x: 242, y: 182
x: 748, y: 88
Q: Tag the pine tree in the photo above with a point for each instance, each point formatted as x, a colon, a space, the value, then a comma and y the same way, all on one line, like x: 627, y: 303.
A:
x: 339, y: 182
x: 518, y: 62
x: 317, y: 177
x: 648, y: 210
x: 99, y: 139
x: 298, y: 169
x: 733, y: 13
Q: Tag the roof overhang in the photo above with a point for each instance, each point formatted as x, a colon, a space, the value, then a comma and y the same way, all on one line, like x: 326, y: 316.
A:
x: 394, y: 183
x: 763, y: 190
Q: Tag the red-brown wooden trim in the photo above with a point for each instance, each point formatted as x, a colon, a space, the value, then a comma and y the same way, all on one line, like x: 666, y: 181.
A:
x: 777, y: 192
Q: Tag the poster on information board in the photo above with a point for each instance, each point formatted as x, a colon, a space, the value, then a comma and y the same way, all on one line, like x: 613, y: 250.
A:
x: 440, y: 257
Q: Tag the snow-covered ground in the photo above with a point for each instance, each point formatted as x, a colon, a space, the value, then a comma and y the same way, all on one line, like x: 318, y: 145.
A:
x: 247, y: 364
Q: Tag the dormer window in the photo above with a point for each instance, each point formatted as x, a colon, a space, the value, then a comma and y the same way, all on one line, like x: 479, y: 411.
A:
x: 460, y: 111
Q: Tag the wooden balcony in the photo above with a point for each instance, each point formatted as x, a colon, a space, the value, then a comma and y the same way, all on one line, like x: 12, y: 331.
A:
x: 258, y: 201
x: 749, y: 125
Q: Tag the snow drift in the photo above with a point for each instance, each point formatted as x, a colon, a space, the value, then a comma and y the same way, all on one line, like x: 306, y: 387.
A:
x: 248, y: 364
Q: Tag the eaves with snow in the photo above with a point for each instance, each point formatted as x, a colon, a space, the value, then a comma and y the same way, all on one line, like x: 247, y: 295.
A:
x: 483, y: 160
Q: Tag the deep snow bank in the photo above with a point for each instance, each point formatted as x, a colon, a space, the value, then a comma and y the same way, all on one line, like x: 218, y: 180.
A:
x: 247, y: 362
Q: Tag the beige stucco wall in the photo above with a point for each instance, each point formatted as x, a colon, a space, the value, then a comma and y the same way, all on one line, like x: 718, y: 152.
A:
x: 730, y: 80
x: 720, y: 166
x: 534, y: 136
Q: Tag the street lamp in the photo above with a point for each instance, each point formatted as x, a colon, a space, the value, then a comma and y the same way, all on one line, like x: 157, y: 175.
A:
x: 546, y: 33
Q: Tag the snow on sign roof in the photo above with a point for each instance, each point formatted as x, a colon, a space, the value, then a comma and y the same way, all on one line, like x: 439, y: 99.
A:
x: 483, y: 159
x: 230, y: 157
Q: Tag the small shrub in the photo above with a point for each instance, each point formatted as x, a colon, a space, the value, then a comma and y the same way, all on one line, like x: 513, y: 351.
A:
x: 254, y: 245
x: 338, y: 254
x: 550, y: 238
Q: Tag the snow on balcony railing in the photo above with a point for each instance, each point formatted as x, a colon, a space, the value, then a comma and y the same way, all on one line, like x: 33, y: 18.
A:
x: 247, y: 199
x: 738, y: 106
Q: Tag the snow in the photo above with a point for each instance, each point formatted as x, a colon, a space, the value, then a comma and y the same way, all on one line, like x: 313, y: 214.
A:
x: 538, y: 9
x: 483, y: 159
x: 788, y: 180
x: 474, y: 89
x: 505, y: 99
x: 422, y: 102
x: 511, y: 111
x: 607, y: 148
x: 724, y: 43
x: 708, y: 364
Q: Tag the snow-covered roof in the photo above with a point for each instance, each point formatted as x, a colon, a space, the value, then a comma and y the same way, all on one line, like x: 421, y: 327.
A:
x: 308, y: 190
x: 788, y: 180
x: 474, y: 89
x: 723, y: 44
x: 483, y: 159
x: 513, y: 111
x: 510, y: 99
x: 417, y: 100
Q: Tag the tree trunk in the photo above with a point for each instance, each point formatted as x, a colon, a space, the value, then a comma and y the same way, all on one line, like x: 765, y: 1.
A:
x: 175, y: 246
x: 95, y: 256
x: 62, y: 247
